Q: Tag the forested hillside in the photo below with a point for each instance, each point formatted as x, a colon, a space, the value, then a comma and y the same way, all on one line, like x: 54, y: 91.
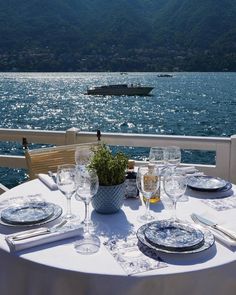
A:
x: 118, y: 35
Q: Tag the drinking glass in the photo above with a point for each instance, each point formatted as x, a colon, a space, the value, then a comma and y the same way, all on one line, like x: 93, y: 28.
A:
x: 175, y: 187
x: 172, y: 156
x: 87, y: 186
x: 156, y: 157
x: 83, y: 156
x: 148, y: 184
x: 67, y: 185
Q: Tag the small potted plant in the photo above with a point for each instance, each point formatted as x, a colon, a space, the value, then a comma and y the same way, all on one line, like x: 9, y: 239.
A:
x: 111, y: 171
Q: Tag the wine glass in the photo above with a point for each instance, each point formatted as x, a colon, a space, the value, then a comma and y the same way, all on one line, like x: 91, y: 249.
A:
x: 175, y: 187
x: 67, y: 185
x: 172, y: 156
x: 83, y: 156
x: 156, y: 157
x: 148, y: 184
x: 87, y: 186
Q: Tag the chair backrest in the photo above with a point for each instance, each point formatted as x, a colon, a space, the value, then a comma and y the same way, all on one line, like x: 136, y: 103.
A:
x: 3, y: 188
x: 47, y: 159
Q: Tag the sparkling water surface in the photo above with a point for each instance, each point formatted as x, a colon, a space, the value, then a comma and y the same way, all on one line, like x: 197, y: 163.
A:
x: 198, y: 104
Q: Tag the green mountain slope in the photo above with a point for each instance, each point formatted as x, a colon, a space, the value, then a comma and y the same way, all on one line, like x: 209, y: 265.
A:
x: 117, y: 35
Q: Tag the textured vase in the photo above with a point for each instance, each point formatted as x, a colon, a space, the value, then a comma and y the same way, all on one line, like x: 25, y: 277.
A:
x: 109, y: 199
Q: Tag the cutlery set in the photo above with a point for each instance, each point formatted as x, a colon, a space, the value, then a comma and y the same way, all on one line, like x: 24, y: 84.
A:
x: 210, y: 224
x: 37, y: 232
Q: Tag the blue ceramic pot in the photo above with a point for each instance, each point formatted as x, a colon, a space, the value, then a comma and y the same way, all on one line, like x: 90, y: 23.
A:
x: 109, y: 199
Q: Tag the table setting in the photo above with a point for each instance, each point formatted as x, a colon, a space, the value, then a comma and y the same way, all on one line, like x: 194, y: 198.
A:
x: 188, y: 228
x: 32, y: 221
x: 164, y: 170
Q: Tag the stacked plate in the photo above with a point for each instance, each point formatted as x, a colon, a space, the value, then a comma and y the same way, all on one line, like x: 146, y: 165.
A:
x: 174, y: 237
x: 208, y: 183
x: 30, y: 213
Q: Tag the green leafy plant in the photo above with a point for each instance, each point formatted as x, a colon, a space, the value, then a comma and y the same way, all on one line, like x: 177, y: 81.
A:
x: 111, y: 169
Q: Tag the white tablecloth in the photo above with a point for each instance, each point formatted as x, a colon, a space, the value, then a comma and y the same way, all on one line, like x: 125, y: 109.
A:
x: 57, y: 269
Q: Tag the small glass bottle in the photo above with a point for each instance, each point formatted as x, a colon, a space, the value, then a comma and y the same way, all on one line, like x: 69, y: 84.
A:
x: 156, y: 197
x: 131, y: 190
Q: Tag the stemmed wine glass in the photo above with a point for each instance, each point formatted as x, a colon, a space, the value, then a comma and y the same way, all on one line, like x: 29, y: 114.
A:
x: 83, y: 156
x: 172, y: 157
x: 67, y: 185
x: 156, y: 157
x: 175, y: 187
x: 87, y: 186
x: 148, y: 184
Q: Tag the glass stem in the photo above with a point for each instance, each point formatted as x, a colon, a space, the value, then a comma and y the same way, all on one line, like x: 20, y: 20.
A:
x: 174, y: 217
x: 147, y: 204
x: 160, y: 184
x: 87, y: 218
x: 68, y: 210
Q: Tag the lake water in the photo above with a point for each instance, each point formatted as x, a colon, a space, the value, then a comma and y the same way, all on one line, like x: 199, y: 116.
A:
x: 199, y: 104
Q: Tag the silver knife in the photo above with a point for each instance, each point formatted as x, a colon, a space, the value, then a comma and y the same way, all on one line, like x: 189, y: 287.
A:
x: 37, y: 232
x: 202, y: 220
x: 31, y: 234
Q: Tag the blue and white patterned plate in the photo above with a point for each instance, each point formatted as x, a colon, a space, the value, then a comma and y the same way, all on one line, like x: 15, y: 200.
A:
x: 171, y: 235
x: 208, y: 240
x: 206, y: 183
x: 30, y: 214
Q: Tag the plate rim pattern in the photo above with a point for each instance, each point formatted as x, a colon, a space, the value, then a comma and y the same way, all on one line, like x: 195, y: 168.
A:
x: 57, y: 212
x: 209, y: 241
x: 184, y: 226
x: 28, y: 205
x: 207, y: 189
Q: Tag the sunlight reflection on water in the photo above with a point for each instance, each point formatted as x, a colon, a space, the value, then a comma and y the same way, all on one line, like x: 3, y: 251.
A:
x: 200, y: 104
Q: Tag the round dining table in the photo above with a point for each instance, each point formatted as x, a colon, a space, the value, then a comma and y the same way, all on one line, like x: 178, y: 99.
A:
x: 57, y: 269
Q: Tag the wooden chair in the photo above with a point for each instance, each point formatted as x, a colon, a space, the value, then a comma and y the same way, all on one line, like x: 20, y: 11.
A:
x: 3, y: 188
x: 43, y: 160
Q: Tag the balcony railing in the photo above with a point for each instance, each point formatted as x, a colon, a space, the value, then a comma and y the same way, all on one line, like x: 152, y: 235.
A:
x: 224, y: 147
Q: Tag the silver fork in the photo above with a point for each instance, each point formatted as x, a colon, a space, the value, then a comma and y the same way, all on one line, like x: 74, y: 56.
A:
x: 38, y: 232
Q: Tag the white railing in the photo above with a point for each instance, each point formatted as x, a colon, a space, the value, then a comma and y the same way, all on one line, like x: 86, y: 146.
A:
x: 224, y: 147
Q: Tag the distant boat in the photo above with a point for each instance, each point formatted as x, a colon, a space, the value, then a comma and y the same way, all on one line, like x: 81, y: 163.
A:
x: 120, y: 89
x: 165, y: 75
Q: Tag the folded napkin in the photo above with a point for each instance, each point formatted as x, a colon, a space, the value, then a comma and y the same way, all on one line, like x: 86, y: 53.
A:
x: 219, y: 236
x: 18, y: 245
x: 223, y: 239
x: 49, y: 181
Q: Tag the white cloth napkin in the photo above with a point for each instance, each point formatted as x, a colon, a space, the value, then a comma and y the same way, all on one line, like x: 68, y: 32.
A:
x: 27, y: 243
x: 223, y: 239
x: 46, y: 179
